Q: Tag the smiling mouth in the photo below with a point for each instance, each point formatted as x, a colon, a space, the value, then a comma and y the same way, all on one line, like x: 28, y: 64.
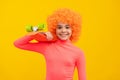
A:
x: 63, y: 35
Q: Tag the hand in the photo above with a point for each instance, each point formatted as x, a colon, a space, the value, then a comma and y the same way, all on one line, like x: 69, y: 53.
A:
x: 49, y: 35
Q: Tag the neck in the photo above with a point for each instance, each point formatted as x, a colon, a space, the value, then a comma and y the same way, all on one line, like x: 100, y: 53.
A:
x: 63, y: 41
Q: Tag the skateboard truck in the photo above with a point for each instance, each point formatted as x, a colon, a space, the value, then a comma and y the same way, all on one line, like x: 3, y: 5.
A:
x: 30, y: 28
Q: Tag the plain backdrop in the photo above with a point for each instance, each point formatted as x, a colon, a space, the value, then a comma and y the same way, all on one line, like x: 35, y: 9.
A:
x: 99, y: 37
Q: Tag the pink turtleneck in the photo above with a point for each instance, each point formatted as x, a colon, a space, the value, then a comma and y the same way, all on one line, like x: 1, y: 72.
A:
x: 61, y: 57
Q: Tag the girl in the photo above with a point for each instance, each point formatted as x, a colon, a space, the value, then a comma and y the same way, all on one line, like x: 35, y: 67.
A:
x: 60, y: 54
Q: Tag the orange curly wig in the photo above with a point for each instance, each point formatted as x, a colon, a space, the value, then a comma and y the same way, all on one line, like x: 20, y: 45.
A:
x: 65, y: 16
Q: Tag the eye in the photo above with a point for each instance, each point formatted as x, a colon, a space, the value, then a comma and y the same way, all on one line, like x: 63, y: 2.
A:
x: 59, y: 27
x: 67, y: 27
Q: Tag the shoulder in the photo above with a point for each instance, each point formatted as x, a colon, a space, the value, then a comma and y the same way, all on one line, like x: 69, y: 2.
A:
x: 78, y: 49
x: 79, y: 52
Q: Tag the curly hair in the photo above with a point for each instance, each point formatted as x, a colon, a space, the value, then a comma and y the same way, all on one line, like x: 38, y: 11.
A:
x: 65, y: 16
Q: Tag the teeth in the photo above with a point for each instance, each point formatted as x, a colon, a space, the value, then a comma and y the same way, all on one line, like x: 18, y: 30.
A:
x: 63, y: 35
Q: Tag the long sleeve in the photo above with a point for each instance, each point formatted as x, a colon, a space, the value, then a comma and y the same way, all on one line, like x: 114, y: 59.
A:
x: 24, y: 43
x: 81, y: 66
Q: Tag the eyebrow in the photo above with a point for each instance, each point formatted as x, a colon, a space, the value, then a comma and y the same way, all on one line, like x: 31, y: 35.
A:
x: 58, y: 25
x: 67, y: 25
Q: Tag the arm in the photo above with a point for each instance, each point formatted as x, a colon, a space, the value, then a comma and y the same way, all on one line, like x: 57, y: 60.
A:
x: 24, y: 43
x: 81, y: 66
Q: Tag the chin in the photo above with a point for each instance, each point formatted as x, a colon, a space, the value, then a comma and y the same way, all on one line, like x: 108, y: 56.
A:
x: 63, y: 39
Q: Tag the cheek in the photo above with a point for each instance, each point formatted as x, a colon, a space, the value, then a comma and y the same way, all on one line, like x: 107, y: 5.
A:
x: 70, y: 31
x: 57, y: 31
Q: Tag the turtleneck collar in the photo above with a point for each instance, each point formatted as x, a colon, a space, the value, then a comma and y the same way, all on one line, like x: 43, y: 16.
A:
x: 63, y: 41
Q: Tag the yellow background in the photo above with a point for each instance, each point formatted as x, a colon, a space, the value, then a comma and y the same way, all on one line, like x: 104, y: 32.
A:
x: 99, y: 38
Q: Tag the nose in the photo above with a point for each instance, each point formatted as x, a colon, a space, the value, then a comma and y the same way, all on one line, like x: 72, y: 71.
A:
x: 63, y: 30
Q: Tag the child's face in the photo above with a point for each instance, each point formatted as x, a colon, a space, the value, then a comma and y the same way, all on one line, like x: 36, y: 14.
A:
x: 63, y: 31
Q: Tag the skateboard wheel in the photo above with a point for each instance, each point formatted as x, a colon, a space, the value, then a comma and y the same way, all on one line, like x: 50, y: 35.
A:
x: 41, y: 26
x: 29, y: 28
